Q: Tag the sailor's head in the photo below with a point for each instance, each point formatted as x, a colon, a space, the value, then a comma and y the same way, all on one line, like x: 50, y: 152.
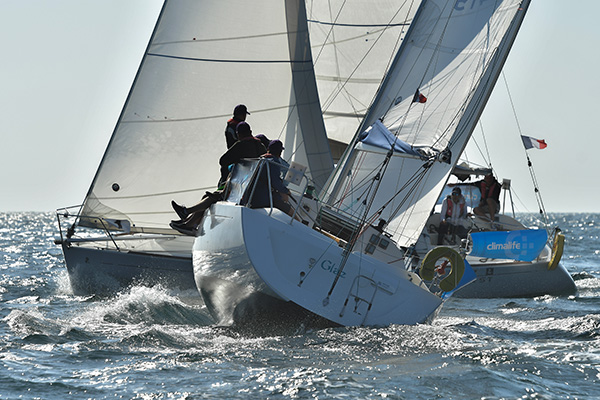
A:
x: 275, y: 147
x: 240, y: 111
x: 456, y: 192
x: 243, y: 130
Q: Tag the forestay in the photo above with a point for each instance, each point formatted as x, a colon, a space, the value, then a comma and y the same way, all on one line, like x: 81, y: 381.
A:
x: 205, y: 57
x: 452, y: 55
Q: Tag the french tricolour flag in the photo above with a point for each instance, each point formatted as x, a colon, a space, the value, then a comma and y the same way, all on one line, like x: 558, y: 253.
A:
x: 418, y: 97
x: 530, y: 142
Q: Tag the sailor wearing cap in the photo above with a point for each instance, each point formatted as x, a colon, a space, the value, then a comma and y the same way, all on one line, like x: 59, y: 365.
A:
x: 239, y: 115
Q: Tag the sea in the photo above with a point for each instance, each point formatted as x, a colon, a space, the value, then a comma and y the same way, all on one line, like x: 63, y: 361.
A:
x: 153, y: 343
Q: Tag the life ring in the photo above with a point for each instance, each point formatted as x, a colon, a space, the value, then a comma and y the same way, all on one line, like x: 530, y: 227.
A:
x: 557, y: 250
x: 457, y: 267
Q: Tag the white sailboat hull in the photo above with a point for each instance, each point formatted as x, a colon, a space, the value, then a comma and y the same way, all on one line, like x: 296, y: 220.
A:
x: 97, y: 269
x: 247, y: 252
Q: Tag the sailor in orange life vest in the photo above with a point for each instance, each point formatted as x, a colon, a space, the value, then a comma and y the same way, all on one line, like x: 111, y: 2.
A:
x: 239, y: 115
x: 490, y: 196
x: 454, y: 211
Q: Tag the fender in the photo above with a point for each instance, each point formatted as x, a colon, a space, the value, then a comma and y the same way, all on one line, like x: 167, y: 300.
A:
x: 557, y: 250
x: 457, y: 265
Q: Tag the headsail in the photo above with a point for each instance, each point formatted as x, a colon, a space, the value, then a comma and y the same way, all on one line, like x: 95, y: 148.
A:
x: 452, y: 54
x: 201, y: 61
x: 353, y: 45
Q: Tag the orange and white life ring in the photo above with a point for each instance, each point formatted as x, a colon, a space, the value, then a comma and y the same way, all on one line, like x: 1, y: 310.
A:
x: 457, y: 265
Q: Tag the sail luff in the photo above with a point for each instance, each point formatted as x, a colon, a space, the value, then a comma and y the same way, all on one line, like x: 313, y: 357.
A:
x: 470, y: 118
x: 86, y: 221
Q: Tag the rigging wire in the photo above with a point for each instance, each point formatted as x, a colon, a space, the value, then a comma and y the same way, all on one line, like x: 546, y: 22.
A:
x: 487, y: 149
x: 487, y: 160
x: 459, y: 116
x: 476, y: 144
x: 432, y: 61
x: 538, y: 195
x: 329, y: 101
x: 361, y: 227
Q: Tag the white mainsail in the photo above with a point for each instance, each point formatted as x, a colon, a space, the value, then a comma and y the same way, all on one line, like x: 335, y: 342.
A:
x: 205, y: 57
x: 452, y: 55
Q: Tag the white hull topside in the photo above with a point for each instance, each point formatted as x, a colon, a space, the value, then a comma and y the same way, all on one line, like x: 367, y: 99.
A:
x: 256, y: 252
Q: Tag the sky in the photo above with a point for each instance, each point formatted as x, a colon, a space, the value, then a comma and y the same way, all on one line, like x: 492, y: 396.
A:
x: 67, y: 66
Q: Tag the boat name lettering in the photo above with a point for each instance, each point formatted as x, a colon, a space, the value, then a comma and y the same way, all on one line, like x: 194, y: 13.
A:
x: 462, y: 5
x: 504, y: 246
x: 330, y: 266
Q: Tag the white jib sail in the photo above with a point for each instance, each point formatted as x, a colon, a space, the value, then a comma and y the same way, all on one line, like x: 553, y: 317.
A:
x: 452, y: 56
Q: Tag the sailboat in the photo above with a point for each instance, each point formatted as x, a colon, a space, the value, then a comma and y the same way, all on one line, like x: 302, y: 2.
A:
x: 508, y: 258
x: 347, y: 256
x: 169, y: 136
